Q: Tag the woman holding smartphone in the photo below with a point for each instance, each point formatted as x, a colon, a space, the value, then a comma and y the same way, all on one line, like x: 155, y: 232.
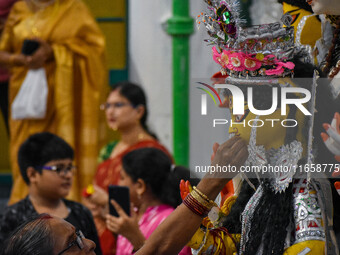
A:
x: 154, y: 193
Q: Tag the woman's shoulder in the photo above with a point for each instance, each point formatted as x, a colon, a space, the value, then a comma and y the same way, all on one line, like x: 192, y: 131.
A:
x: 106, y: 151
x: 151, y: 142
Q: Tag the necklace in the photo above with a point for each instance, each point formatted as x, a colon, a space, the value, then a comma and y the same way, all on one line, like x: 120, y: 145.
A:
x: 141, y: 136
x: 42, y: 14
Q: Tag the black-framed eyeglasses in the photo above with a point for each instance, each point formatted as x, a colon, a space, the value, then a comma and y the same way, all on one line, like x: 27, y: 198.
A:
x: 78, y: 241
x: 61, y: 170
x: 106, y: 106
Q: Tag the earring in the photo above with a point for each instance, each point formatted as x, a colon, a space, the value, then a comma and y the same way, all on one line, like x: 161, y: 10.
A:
x: 140, y: 136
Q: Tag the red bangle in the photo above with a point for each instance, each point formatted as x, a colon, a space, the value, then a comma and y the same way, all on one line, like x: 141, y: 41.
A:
x: 195, y: 206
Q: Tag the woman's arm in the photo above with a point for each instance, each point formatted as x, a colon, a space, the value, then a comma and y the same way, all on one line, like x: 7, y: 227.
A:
x: 180, y: 226
x: 8, y: 59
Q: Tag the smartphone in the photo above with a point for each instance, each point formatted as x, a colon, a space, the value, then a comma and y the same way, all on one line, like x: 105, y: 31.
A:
x: 29, y: 47
x: 121, y: 195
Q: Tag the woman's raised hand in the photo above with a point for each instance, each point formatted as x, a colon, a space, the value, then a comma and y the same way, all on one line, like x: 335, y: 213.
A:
x: 227, y: 159
x: 125, y: 225
x: 231, y: 153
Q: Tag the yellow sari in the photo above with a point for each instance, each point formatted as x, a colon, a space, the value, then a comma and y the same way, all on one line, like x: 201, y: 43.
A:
x: 76, y: 79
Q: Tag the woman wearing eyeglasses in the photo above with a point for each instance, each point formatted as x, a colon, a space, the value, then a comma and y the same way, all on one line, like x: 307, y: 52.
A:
x: 126, y: 112
x: 46, y: 166
x: 47, y: 235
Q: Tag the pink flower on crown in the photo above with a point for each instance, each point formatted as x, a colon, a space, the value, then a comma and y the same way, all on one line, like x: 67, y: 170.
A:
x: 251, y: 64
x: 221, y: 58
x: 279, y: 68
x: 271, y: 56
x: 270, y: 60
x: 288, y: 65
x: 277, y: 71
x: 225, y: 58
x: 236, y: 61
x: 216, y: 55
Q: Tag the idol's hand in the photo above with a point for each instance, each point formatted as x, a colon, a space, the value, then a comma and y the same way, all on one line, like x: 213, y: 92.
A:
x: 335, y: 174
x: 332, y: 142
x: 332, y: 138
x: 228, y: 156
x: 337, y: 187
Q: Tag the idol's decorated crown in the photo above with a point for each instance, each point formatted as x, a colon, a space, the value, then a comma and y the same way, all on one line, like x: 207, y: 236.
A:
x: 259, y: 52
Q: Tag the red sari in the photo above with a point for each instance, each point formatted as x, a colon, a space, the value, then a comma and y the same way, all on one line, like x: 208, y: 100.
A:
x: 108, y: 173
